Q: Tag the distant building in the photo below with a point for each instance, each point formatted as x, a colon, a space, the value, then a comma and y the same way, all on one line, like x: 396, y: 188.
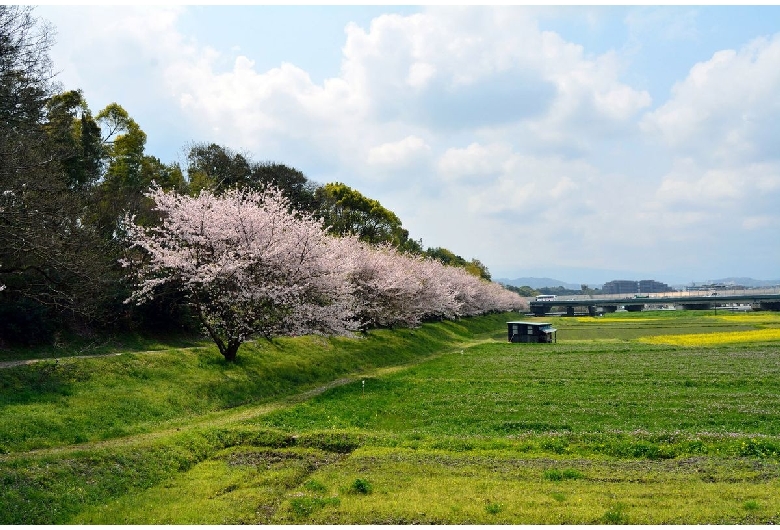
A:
x: 620, y: 287
x: 633, y: 287
x: 652, y: 286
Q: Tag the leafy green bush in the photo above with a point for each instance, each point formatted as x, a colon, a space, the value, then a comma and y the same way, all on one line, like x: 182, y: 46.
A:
x: 556, y: 475
x: 361, y: 486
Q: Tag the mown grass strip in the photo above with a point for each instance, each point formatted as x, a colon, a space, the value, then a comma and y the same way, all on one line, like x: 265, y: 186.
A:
x: 500, y: 389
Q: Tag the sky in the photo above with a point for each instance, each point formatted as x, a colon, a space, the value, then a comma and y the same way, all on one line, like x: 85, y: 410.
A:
x: 581, y: 143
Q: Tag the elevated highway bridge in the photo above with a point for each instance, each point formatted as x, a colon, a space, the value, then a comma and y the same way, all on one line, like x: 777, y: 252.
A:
x: 609, y: 304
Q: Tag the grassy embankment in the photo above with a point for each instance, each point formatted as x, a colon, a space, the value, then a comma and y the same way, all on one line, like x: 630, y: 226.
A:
x: 631, y: 418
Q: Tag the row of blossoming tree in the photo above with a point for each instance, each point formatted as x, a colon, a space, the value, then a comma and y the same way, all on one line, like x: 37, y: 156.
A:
x: 250, y: 265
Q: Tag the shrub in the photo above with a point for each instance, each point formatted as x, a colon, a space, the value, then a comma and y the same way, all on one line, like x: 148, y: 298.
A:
x: 361, y: 487
x: 557, y: 475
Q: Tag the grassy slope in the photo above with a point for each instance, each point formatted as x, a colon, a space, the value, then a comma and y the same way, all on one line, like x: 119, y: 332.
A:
x: 56, y: 403
x: 173, y: 404
x: 598, y: 428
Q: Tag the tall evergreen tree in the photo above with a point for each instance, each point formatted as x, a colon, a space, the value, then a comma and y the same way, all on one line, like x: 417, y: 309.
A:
x: 52, y: 265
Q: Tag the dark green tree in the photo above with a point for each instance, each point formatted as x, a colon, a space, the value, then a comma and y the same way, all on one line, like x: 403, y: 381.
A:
x: 167, y: 176
x: 76, y: 139
x: 524, y: 290
x: 479, y: 269
x: 124, y: 183
x: 52, y: 265
x: 216, y: 168
x: 124, y: 142
x: 26, y: 81
x: 446, y: 256
x: 346, y: 211
x: 219, y: 168
x: 296, y: 187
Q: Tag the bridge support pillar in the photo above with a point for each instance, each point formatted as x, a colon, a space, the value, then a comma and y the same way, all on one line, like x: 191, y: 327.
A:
x: 610, y: 308
x: 570, y: 311
x: 697, y: 307
x: 592, y: 310
x: 635, y: 308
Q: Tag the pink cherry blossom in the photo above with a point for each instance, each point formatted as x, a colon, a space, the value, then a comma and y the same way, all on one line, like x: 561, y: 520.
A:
x: 251, y: 265
x: 247, y: 264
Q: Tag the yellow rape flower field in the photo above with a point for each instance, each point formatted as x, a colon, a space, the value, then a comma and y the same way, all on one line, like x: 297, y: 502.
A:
x: 749, y: 318
x: 760, y: 319
x: 713, y: 339
x: 605, y: 320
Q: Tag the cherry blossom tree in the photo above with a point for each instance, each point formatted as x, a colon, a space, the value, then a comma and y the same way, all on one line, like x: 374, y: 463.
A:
x: 386, y: 286
x: 398, y: 289
x: 251, y: 265
x: 452, y: 292
x: 247, y: 263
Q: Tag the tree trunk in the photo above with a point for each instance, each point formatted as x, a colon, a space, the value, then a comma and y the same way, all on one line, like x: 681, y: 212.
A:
x: 231, y: 350
x: 228, y: 350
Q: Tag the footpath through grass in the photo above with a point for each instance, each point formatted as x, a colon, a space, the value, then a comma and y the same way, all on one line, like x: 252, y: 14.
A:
x: 446, y: 424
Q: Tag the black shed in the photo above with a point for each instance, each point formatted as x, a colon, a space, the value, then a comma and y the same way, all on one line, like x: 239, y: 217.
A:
x: 531, y: 332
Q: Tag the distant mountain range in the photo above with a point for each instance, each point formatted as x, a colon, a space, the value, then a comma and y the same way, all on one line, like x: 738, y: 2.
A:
x: 747, y: 282
x: 538, y: 283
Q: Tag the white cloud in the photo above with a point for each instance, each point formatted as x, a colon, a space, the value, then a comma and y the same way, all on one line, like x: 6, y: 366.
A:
x: 621, y: 102
x: 562, y: 188
x: 114, y: 43
x: 689, y: 184
x: 419, y: 74
x: 431, y: 75
x: 398, y: 154
x: 759, y: 221
x: 461, y: 56
x: 475, y: 161
x: 476, y: 125
x: 679, y: 24
x: 712, y: 207
x: 727, y: 108
x: 534, y: 186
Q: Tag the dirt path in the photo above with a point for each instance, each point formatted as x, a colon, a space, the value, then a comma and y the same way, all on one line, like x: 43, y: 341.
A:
x: 11, y: 364
x: 57, y: 360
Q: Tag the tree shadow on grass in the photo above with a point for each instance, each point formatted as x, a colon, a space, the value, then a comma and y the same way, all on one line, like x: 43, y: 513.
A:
x: 41, y: 382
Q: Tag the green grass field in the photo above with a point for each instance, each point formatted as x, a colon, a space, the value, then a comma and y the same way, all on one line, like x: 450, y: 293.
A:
x: 632, y: 418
